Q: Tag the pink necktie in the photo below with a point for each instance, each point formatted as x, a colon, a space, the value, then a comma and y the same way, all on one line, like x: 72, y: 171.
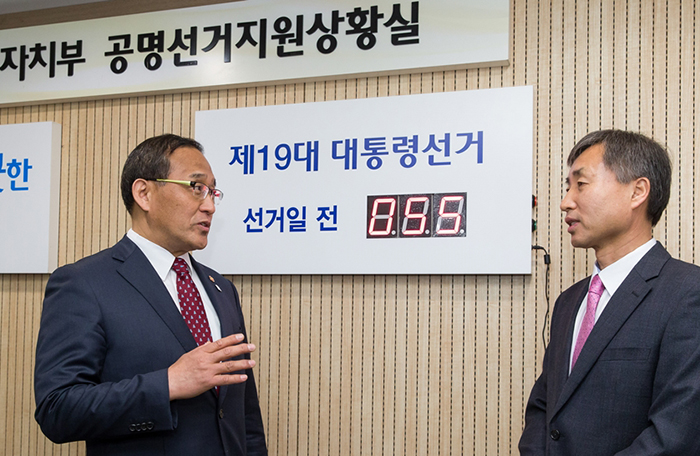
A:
x: 191, y: 303
x: 594, y: 293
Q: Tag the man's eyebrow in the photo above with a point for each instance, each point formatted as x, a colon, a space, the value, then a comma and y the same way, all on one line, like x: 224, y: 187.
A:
x: 576, y: 173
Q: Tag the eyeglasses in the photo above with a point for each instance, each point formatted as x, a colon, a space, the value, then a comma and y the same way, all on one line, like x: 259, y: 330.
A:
x: 199, y: 190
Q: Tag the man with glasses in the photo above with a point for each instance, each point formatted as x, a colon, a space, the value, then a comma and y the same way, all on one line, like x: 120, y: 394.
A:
x: 142, y: 350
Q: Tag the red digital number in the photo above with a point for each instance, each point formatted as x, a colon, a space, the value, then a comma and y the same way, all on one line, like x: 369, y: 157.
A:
x: 387, y: 217
x: 421, y: 215
x: 452, y: 218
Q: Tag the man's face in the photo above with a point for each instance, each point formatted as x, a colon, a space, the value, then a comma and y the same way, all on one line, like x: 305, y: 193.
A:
x: 180, y: 221
x: 598, y: 207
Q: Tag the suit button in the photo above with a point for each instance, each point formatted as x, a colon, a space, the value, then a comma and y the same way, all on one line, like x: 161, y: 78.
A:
x: 132, y: 427
x: 554, y: 434
x: 150, y: 425
x: 221, y: 413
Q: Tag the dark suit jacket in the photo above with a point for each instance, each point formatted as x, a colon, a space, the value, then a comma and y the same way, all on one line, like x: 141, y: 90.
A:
x: 635, y: 389
x: 109, y: 331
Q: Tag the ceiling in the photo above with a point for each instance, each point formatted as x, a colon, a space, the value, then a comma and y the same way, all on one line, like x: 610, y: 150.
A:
x: 17, y: 6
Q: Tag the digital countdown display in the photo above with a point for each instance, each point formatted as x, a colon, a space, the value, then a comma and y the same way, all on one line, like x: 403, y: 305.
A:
x: 409, y: 184
x: 431, y: 215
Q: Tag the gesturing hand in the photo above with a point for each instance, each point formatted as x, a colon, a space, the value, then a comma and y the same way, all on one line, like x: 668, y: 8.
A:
x: 209, y: 365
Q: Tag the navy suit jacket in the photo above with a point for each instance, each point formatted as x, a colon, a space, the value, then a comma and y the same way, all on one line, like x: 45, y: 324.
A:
x: 109, y: 331
x: 635, y: 388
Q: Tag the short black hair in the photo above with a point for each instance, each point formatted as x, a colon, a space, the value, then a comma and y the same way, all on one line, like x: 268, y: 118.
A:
x: 630, y: 156
x: 151, y: 160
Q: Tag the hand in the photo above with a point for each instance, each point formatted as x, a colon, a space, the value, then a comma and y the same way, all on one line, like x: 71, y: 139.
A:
x: 206, y: 367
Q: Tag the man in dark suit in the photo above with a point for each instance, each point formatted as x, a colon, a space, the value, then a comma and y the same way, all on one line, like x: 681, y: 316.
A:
x: 142, y: 350
x: 621, y: 374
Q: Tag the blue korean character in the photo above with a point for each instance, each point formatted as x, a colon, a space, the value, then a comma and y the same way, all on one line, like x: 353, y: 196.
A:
x: 408, y: 146
x: 375, y: 147
x: 326, y: 215
x: 2, y: 170
x: 245, y: 155
x: 311, y: 156
x: 470, y: 140
x: 435, y: 145
x: 345, y: 150
x: 275, y: 216
x: 14, y: 169
x: 252, y: 219
x: 296, y: 225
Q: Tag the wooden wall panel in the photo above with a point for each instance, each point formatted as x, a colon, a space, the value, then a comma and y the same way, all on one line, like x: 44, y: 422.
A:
x: 394, y: 365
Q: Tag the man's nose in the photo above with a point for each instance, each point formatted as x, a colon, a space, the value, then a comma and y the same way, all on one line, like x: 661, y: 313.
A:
x: 208, y: 204
x: 567, y: 202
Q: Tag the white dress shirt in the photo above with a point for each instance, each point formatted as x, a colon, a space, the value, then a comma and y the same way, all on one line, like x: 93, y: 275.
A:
x: 162, y: 261
x: 612, y: 277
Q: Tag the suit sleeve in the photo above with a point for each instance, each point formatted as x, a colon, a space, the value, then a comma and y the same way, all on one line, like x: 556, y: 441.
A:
x: 535, y: 437
x: 255, y: 431
x: 674, y: 415
x: 72, y: 402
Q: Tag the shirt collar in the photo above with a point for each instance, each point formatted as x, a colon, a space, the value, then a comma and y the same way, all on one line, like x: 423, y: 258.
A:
x: 160, y: 258
x: 613, y: 276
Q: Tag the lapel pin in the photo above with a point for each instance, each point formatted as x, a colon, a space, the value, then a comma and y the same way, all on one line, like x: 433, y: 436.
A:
x: 212, y: 281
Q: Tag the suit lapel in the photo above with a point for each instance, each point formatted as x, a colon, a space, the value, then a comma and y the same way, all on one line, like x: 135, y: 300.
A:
x: 562, y: 355
x: 222, y: 307
x: 622, y: 305
x: 217, y: 298
x: 137, y: 270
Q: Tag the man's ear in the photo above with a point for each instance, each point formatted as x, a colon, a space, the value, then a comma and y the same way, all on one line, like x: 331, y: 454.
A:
x: 640, y: 192
x: 142, y: 192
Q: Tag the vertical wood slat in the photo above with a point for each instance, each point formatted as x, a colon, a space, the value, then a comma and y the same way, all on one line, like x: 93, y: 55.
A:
x: 10, y: 336
x: 400, y: 365
x: 686, y: 104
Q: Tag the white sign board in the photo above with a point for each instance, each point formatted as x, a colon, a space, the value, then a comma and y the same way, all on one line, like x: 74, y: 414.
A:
x: 248, y: 42
x: 30, y: 161
x: 308, y: 188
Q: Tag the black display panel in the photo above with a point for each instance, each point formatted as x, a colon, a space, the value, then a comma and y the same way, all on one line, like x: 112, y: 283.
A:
x: 427, y: 215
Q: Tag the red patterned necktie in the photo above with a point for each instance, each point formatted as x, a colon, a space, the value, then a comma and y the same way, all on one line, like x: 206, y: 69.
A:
x: 594, y: 293
x: 191, y: 303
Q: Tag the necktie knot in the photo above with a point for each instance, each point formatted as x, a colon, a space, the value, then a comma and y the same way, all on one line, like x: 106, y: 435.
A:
x: 597, y: 286
x: 180, y: 266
